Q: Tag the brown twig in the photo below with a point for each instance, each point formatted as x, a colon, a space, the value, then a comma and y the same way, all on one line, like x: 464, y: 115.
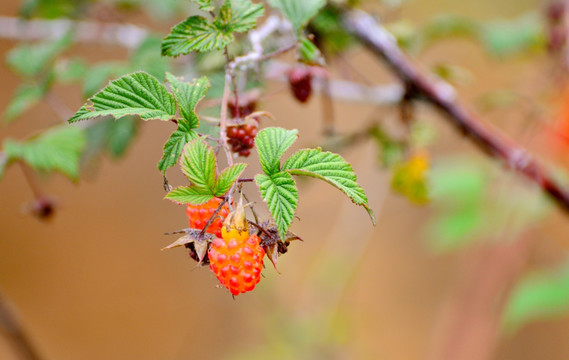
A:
x: 212, y: 218
x: 441, y: 95
x: 31, y: 180
x: 14, y: 333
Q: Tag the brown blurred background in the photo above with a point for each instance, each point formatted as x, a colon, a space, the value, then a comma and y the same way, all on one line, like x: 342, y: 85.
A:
x: 93, y: 283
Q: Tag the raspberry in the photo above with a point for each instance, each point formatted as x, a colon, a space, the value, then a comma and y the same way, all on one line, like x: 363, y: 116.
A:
x: 198, y: 216
x: 241, y: 137
x: 237, y: 263
x: 237, y: 258
x: 300, y: 81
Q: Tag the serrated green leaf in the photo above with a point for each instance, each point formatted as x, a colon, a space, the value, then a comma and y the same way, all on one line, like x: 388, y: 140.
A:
x: 175, y: 144
x: 188, y: 95
x: 309, y: 53
x: 280, y: 193
x: 137, y: 94
x: 205, y: 5
x: 58, y: 149
x: 543, y: 295
x: 195, y: 33
x: 227, y: 178
x: 189, y: 194
x: 30, y: 60
x: 25, y: 97
x: 299, y: 12
x: 271, y: 144
x: 198, y: 163
x: 244, y: 14
x: 331, y: 168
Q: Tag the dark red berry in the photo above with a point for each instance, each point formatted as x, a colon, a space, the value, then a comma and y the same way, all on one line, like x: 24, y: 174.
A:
x: 300, y: 80
x: 241, y: 137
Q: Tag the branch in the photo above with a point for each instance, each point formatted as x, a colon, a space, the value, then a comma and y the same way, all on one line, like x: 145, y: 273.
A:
x: 442, y: 95
x: 10, y: 327
x: 126, y: 35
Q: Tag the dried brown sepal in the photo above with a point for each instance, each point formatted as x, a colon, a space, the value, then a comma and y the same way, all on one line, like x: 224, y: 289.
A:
x: 191, y: 236
x: 271, y: 241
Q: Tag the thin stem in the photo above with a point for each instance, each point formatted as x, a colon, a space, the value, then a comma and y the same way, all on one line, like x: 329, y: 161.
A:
x: 212, y: 218
x: 278, y: 52
x: 31, y: 180
x: 14, y: 332
x: 259, y: 227
x: 234, y: 84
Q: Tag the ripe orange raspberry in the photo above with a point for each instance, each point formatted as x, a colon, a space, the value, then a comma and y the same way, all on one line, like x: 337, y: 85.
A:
x: 237, y: 263
x: 237, y: 258
x: 198, y: 216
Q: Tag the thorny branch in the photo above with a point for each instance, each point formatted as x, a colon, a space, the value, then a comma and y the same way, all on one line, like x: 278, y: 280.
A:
x: 442, y: 95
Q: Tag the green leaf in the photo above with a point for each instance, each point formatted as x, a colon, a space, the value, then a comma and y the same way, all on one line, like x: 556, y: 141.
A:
x: 26, y: 96
x: 309, y: 53
x: 244, y: 14
x: 299, y: 12
x: 30, y: 60
x: 543, y: 295
x: 205, y: 5
x: 188, y: 95
x: 227, y: 178
x: 271, y: 144
x: 189, y: 194
x: 280, y: 193
x: 175, y: 144
x: 198, y: 163
x: 331, y: 168
x: 195, y: 33
x: 515, y: 36
x: 137, y: 94
x: 58, y: 149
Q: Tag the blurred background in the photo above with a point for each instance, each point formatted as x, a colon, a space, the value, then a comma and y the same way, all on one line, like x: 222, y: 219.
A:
x: 468, y: 263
